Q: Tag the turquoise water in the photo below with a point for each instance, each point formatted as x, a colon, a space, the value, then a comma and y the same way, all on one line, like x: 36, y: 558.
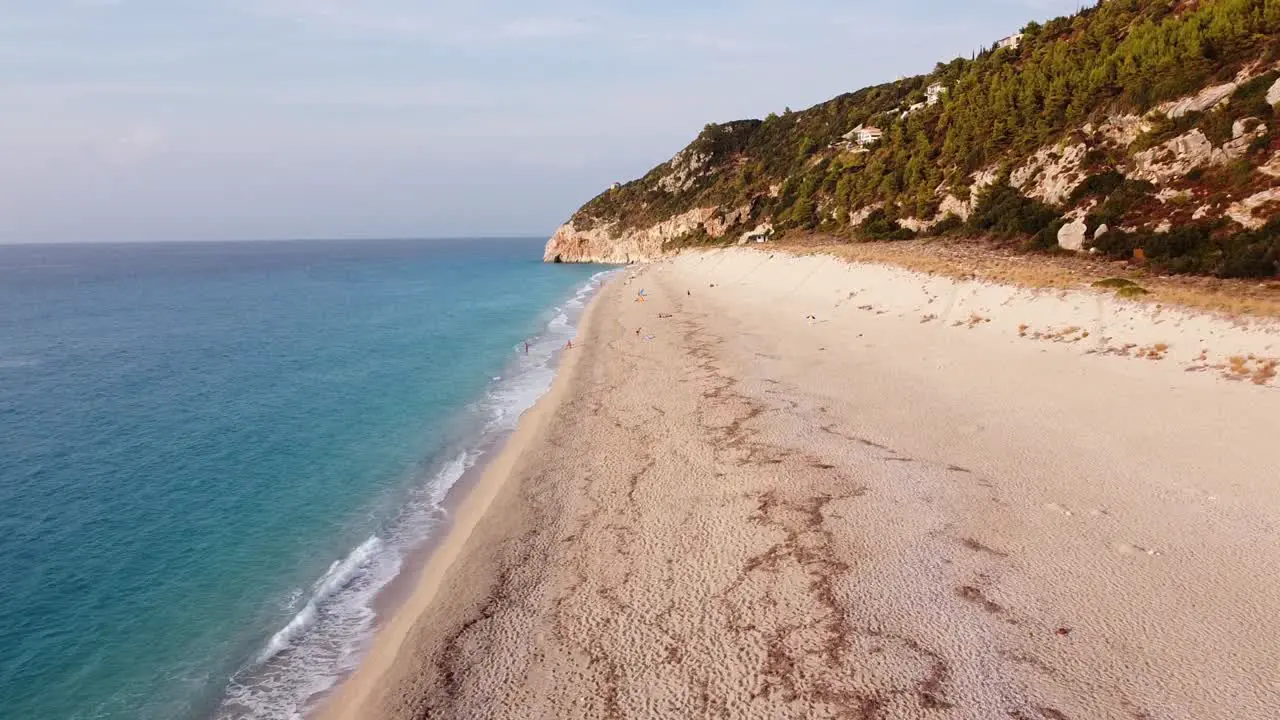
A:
x: 213, y: 456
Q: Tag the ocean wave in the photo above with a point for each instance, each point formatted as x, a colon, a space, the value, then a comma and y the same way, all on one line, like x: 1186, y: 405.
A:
x: 339, y: 575
x: 324, y: 640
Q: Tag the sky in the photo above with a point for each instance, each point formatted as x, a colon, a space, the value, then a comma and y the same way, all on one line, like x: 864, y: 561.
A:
x: 141, y: 120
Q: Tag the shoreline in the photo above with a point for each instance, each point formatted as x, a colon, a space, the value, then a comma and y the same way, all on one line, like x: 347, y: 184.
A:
x: 466, y: 503
x: 789, y: 486
x: 380, y: 574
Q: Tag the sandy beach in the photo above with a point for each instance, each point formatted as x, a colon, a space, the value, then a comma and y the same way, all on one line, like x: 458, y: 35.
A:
x: 794, y: 487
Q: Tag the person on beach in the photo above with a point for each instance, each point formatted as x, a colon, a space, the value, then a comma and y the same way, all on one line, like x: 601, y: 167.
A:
x: 526, y: 347
x: 568, y: 345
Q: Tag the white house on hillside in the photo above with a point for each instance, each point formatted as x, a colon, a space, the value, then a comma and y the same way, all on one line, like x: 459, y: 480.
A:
x: 933, y: 93
x: 864, y: 135
x: 1012, y: 41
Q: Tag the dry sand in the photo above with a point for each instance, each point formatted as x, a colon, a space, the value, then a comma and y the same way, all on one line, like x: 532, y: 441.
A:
x: 871, y: 513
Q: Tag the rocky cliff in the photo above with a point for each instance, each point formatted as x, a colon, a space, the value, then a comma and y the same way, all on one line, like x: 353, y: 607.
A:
x: 612, y: 243
x: 1137, y: 129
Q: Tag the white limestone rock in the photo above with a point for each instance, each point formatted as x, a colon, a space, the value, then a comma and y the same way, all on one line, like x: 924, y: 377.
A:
x: 1243, y: 211
x: 1051, y: 173
x: 1201, y: 101
x: 607, y: 243
x: 1123, y: 130
x: 1071, y: 236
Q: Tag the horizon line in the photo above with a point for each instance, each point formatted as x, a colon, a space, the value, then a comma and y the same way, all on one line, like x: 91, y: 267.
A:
x: 371, y: 238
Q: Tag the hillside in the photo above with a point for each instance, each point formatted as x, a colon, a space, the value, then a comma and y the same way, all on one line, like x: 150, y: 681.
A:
x: 1137, y: 129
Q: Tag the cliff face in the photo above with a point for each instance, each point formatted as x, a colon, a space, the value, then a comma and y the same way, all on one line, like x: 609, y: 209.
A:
x: 610, y: 243
x: 1145, y: 129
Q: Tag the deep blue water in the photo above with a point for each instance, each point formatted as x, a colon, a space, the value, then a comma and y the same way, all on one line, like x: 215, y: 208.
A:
x: 212, y: 456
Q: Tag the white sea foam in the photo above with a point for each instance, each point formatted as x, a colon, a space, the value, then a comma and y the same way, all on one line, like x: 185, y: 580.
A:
x: 325, y: 639
x: 449, y: 476
x: 340, y: 574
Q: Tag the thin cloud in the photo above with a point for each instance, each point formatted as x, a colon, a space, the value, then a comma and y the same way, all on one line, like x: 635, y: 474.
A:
x: 544, y: 28
x: 485, y: 22
x: 369, y: 17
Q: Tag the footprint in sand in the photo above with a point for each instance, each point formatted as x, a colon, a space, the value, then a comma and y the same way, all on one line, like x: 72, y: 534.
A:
x: 1124, y: 548
x: 1199, y: 494
x: 1058, y: 509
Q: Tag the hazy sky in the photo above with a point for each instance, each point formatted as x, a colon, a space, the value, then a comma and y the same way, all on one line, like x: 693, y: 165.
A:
x: 237, y: 119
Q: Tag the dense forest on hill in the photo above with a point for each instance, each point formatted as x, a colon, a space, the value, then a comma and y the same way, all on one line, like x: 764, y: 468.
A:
x: 1065, y: 78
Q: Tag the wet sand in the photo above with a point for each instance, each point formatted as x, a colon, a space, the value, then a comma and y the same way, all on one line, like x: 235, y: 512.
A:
x: 823, y: 490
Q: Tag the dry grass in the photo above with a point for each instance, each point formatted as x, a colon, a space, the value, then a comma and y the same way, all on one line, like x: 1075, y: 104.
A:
x: 1258, y: 370
x: 986, y: 261
x: 1156, y: 351
x: 1251, y: 368
x: 1067, y: 334
x: 1266, y: 372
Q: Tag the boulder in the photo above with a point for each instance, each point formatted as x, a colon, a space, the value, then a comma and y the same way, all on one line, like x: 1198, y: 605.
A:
x: 1071, y: 236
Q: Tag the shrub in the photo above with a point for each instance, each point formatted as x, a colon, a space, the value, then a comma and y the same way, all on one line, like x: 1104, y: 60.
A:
x: 1164, y: 128
x: 1127, y: 195
x: 880, y: 226
x: 948, y: 225
x: 1115, y: 243
x: 1002, y: 209
x: 1047, y: 238
x: 1098, y: 185
x: 1250, y: 99
x: 1217, y: 125
x: 1253, y: 253
x: 1201, y: 249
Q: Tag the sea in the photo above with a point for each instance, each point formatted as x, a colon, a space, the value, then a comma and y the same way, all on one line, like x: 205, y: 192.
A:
x: 215, y: 457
